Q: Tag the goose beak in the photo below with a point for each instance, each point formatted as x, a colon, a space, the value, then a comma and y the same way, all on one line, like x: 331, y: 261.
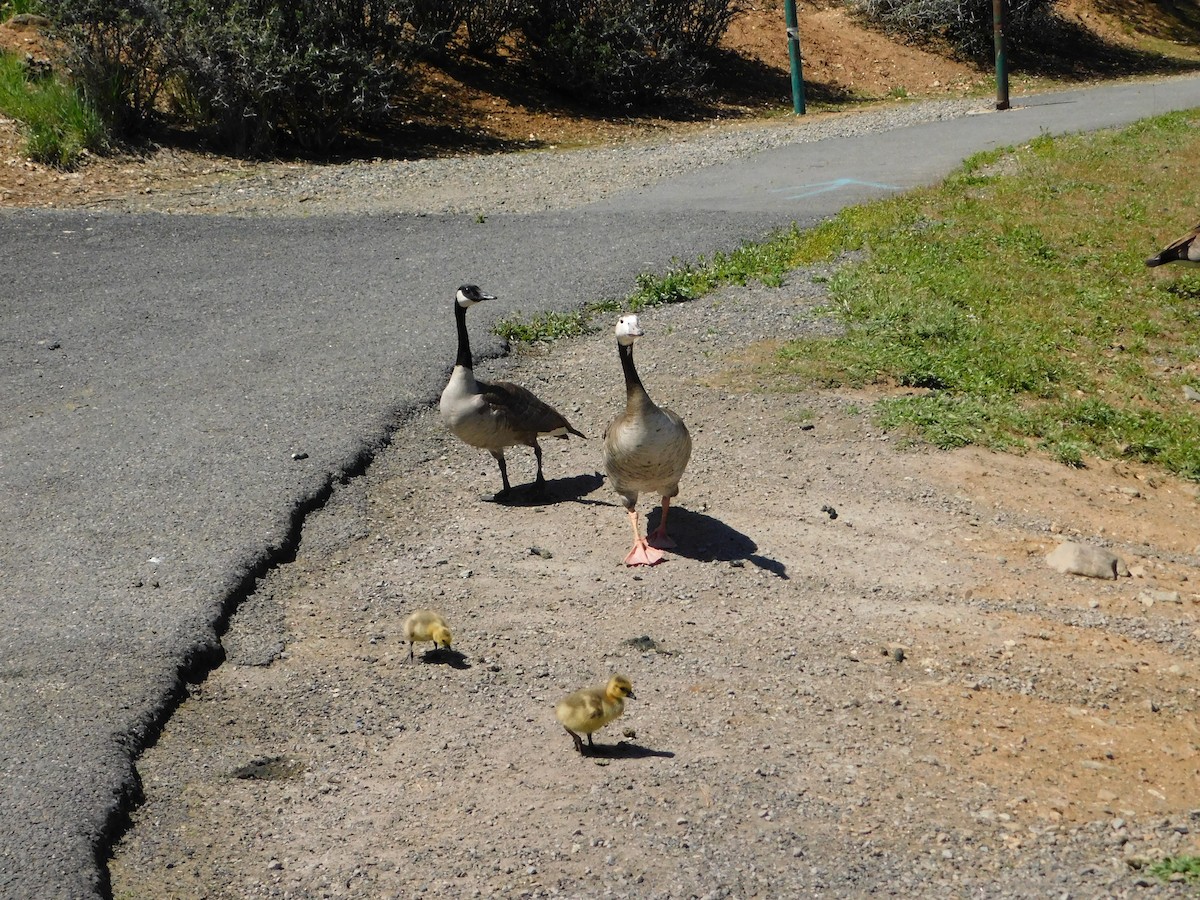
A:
x: 631, y: 695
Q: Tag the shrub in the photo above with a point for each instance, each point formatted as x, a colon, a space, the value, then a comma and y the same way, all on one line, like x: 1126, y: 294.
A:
x: 248, y: 73
x: 965, y: 25
x: 116, y: 55
x: 624, y: 51
x: 490, y: 21
x: 250, y: 70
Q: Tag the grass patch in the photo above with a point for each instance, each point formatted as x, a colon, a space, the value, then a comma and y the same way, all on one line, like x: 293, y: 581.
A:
x: 1187, y: 866
x: 1014, y: 301
x: 59, y: 125
x: 767, y: 262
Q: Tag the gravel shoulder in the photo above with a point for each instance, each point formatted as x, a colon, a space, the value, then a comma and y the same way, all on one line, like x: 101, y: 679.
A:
x: 856, y: 675
x: 533, y: 181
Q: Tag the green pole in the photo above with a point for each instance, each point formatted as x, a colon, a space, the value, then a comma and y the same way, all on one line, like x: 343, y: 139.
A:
x: 1001, y: 54
x: 793, y: 33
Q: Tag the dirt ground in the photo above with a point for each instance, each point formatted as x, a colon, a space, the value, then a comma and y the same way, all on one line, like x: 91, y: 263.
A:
x: 856, y: 675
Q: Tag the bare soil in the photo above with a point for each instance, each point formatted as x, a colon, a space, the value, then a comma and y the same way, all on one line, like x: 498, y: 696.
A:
x: 856, y: 674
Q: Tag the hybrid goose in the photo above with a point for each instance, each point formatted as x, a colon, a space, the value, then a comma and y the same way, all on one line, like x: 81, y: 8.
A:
x: 646, y: 448
x: 1184, y: 250
x: 586, y: 711
x: 495, y: 416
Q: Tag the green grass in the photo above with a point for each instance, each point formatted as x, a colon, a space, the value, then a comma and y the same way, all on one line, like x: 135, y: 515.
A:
x: 58, y: 124
x: 1014, y: 302
x: 1187, y: 866
x: 10, y: 8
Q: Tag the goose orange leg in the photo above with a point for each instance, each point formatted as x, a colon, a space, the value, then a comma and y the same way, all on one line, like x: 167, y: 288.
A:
x: 642, y: 553
x: 660, y: 538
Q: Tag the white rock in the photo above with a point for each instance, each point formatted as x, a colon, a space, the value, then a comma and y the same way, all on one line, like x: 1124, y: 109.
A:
x: 1082, y: 559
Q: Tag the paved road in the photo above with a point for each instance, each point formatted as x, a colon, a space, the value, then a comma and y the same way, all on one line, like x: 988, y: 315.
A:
x: 157, y: 375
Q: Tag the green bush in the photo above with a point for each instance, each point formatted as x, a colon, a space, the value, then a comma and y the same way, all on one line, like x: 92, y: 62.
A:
x: 965, y: 25
x: 624, y: 51
x: 253, y: 74
x: 117, y: 55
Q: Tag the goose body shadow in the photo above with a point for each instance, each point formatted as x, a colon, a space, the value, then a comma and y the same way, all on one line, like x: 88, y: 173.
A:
x: 551, y: 491
x: 626, y: 750
x: 445, y: 657
x: 708, y: 539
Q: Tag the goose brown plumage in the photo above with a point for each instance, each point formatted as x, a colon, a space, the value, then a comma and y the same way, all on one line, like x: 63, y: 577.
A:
x: 1185, y: 250
x: 495, y: 415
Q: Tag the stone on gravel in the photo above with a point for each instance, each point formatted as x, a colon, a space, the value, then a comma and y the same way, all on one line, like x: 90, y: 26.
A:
x: 1082, y: 559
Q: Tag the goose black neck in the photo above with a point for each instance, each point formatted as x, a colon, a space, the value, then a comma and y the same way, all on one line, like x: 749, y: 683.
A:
x: 464, y: 343
x: 633, y: 384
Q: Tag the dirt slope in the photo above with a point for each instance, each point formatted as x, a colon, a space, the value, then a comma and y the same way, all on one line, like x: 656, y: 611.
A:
x: 857, y: 674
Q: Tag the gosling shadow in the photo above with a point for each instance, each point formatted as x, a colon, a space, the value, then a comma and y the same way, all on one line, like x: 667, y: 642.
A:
x: 625, y: 750
x: 552, y: 491
x: 443, y: 657
x: 707, y: 539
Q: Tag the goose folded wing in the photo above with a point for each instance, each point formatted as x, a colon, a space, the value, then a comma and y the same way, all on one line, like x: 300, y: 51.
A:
x: 520, y: 410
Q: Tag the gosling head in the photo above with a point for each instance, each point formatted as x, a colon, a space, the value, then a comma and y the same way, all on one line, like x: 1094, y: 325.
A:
x: 628, y: 328
x: 441, y: 636
x: 620, y: 687
x: 470, y: 294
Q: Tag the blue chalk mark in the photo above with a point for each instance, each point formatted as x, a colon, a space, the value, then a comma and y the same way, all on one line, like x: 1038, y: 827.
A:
x: 824, y: 187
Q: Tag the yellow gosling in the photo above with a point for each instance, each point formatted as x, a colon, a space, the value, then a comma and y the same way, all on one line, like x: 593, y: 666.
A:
x: 592, y: 708
x: 426, y: 625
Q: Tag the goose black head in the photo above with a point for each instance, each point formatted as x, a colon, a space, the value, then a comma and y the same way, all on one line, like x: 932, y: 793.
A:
x: 470, y: 294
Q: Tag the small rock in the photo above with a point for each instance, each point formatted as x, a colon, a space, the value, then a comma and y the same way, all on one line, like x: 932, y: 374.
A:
x: 1149, y: 598
x: 829, y: 511
x: 1081, y: 559
x: 1190, y: 393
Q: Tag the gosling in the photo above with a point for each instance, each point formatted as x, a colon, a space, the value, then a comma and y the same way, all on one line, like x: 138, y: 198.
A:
x: 426, y: 625
x: 591, y: 709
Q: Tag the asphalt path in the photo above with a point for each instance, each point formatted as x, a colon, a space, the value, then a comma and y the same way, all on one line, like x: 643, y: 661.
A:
x: 176, y: 393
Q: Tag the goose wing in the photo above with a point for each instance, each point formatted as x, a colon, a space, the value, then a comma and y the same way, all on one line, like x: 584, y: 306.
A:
x: 1185, y: 249
x: 520, y: 410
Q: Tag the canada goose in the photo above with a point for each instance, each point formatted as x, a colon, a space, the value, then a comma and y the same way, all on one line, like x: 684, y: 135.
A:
x: 499, y: 415
x: 1185, y: 250
x: 592, y: 708
x: 426, y: 625
x: 646, y: 448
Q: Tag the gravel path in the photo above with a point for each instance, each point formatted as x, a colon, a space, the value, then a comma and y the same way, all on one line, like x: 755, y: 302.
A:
x: 535, y: 181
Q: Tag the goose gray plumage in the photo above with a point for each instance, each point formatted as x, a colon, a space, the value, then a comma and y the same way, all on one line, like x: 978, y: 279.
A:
x: 495, y: 415
x: 646, y: 449
x: 1185, y: 250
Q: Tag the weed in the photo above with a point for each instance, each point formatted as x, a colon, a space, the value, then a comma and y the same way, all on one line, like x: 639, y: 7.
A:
x: 1187, y: 866
x: 59, y: 124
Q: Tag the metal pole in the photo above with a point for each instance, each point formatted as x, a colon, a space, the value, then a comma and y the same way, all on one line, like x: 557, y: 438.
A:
x: 1001, y: 54
x: 793, y: 33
